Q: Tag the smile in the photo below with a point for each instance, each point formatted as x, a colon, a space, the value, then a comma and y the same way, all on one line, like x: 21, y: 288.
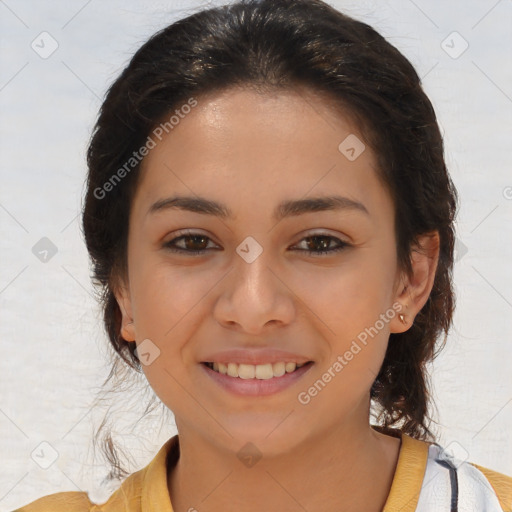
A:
x: 255, y: 380
x: 250, y: 371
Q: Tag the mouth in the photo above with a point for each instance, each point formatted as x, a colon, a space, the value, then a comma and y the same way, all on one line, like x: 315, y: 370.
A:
x: 255, y: 380
x: 261, y: 371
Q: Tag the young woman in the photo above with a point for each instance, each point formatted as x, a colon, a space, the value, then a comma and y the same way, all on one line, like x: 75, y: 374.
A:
x: 270, y: 218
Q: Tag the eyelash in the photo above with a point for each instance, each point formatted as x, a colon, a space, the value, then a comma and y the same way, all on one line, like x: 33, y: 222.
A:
x: 170, y: 245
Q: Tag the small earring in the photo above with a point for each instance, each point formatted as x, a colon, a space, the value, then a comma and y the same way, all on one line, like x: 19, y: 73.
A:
x: 402, y: 318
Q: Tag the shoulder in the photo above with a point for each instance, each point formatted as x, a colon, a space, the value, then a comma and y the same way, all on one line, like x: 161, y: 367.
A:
x: 59, y: 502
x: 501, y: 485
x: 126, y: 499
x: 463, y: 484
x: 137, y: 492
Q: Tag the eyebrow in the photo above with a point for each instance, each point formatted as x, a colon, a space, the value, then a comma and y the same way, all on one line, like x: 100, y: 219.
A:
x: 288, y: 208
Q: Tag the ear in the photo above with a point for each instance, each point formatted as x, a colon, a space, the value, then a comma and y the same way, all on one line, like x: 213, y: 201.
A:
x: 414, y: 290
x: 122, y: 295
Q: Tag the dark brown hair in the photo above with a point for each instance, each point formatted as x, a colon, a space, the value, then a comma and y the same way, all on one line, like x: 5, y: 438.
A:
x: 280, y: 45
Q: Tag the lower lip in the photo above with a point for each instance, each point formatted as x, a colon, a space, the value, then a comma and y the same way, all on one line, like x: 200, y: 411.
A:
x: 256, y: 387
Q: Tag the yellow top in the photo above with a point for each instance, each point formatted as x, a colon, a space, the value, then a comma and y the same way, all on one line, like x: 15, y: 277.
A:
x: 147, y: 491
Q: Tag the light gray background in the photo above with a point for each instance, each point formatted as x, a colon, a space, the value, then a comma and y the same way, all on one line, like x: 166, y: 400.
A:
x: 53, y: 346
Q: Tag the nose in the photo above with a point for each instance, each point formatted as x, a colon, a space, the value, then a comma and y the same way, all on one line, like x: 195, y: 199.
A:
x: 254, y: 296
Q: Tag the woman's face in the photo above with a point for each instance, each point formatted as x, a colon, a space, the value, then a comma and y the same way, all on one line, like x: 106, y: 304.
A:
x: 258, y: 285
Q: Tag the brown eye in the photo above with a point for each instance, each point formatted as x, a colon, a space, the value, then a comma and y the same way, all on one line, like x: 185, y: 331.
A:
x: 319, y: 244
x: 197, y: 244
x: 192, y: 243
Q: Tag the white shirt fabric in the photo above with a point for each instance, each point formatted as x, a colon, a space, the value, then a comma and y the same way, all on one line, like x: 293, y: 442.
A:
x: 453, y: 485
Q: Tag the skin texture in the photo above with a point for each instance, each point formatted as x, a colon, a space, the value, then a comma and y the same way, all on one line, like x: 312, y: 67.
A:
x: 251, y: 151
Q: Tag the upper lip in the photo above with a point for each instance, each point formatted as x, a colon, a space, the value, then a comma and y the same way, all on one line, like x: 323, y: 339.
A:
x: 255, y: 357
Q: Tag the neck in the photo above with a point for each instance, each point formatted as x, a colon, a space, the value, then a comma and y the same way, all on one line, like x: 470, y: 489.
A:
x: 349, y: 469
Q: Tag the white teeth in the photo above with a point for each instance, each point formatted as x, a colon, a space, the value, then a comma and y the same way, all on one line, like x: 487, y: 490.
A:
x: 259, y: 371
x: 279, y: 369
x: 290, y: 367
x: 233, y: 370
x: 245, y: 371
x: 264, y: 371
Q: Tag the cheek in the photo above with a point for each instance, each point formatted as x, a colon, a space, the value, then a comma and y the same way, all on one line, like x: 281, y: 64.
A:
x: 168, y: 305
x: 355, y: 292
x: 351, y: 302
x: 167, y: 298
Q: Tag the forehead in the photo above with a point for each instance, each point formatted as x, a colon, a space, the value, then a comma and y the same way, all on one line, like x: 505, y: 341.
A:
x: 255, y: 148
